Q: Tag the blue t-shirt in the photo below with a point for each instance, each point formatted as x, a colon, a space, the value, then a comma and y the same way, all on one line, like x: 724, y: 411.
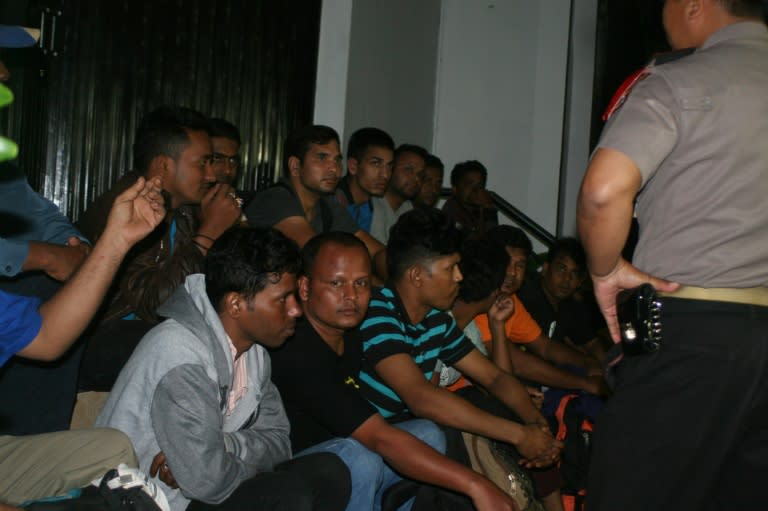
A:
x: 19, y: 323
x: 388, y: 331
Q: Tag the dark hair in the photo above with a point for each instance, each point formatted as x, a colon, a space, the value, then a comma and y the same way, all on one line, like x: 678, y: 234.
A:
x: 224, y: 129
x: 244, y: 260
x: 164, y: 131
x: 570, y: 247
x: 510, y: 237
x: 417, y: 237
x: 744, y: 8
x: 364, y: 138
x: 484, y: 266
x: 467, y: 167
x: 410, y: 148
x: 312, y: 247
x: 298, y: 141
x: 434, y: 162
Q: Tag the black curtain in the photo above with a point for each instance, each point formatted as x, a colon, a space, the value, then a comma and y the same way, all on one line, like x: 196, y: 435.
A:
x: 106, y: 63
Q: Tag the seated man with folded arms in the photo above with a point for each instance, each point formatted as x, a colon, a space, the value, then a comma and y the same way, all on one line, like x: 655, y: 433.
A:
x: 539, y: 366
x: 37, y: 466
x: 171, y: 143
x: 302, y: 204
x: 316, y: 372
x: 407, y: 329
x: 196, y: 399
x: 370, y: 154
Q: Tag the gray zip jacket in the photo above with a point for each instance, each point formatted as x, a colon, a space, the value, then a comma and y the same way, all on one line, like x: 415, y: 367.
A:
x: 172, y: 394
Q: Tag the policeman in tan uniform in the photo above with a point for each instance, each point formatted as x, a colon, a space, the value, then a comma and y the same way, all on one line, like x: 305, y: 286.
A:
x: 687, y: 427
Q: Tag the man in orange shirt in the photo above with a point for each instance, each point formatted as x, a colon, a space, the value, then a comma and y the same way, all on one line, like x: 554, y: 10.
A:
x: 541, y: 356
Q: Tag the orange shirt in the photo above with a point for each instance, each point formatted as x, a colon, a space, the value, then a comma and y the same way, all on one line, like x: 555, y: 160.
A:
x: 521, y: 327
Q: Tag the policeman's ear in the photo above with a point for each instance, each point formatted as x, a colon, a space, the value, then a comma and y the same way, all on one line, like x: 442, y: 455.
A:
x: 303, y: 285
x: 294, y: 165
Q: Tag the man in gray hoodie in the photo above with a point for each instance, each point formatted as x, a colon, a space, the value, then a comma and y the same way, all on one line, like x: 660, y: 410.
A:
x: 196, y: 398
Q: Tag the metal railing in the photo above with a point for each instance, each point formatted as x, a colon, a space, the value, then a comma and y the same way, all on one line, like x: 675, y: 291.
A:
x: 525, y: 222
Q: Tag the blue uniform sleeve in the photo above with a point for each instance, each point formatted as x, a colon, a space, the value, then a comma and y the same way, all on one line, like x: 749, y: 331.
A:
x: 19, y: 323
x: 31, y: 217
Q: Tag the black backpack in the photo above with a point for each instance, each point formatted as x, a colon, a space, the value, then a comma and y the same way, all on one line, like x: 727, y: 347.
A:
x: 102, y: 498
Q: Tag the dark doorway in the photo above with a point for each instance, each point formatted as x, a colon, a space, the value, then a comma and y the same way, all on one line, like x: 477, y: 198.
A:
x: 105, y: 64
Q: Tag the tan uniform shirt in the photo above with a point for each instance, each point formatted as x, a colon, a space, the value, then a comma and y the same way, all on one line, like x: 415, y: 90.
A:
x: 697, y: 128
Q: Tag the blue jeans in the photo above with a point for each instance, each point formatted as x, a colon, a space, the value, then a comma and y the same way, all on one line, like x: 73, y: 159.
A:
x: 371, y: 476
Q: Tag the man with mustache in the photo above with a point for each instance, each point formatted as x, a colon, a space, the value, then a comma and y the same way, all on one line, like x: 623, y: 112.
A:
x: 171, y: 143
x: 196, y: 398
x: 407, y: 329
x: 302, y: 204
x: 404, y: 186
x: 328, y: 413
x: 369, y: 167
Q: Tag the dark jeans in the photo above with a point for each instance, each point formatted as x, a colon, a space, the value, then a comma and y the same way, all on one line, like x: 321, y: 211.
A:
x: 37, y: 397
x: 108, y: 347
x: 687, y: 428
x: 315, y: 482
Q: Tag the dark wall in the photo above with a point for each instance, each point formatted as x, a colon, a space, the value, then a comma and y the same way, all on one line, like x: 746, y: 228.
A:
x: 629, y: 33
x: 78, y: 102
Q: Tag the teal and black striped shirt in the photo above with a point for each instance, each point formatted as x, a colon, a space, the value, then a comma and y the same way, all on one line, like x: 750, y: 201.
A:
x: 388, y: 331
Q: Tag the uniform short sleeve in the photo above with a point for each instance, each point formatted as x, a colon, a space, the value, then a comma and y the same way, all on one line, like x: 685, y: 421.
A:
x: 644, y: 128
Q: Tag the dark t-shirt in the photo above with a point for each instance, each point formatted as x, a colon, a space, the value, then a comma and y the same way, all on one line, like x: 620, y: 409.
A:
x: 279, y: 202
x: 319, y: 388
x: 572, y: 319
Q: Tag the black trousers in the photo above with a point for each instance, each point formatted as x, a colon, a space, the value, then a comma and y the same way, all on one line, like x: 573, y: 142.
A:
x: 315, y: 482
x: 687, y: 428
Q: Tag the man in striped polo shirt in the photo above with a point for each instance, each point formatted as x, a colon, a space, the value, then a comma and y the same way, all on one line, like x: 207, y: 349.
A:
x: 407, y: 329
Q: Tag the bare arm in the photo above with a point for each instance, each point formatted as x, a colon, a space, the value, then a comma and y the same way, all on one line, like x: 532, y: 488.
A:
x: 136, y: 212
x: 501, y: 310
x: 505, y: 387
x: 533, y: 368
x: 432, y: 402
x: 417, y: 460
x: 560, y: 353
x: 604, y: 214
x: 58, y: 261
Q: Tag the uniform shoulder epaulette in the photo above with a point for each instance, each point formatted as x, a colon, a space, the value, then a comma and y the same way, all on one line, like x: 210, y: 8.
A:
x: 626, y: 86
